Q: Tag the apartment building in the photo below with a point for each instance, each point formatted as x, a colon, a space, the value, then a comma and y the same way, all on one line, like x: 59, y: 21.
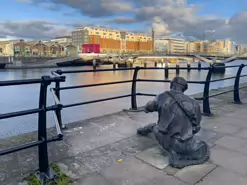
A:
x: 36, y: 48
x: 161, y: 46
x: 189, y: 47
x: 112, y: 41
x: 213, y: 47
x: 64, y: 39
x: 175, y: 46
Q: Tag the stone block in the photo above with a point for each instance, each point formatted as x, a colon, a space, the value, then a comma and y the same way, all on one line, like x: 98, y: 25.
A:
x: 155, y: 156
x: 93, y: 179
x: 221, y: 176
x: 193, y: 174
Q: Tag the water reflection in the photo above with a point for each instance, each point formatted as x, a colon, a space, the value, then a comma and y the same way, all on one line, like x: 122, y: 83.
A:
x: 26, y: 97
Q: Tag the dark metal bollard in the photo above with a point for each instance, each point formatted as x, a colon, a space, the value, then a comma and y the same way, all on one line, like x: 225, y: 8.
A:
x: 199, y: 65
x: 133, y: 89
x: 177, y: 69
x: 188, y: 67
x: 145, y: 63
x: 206, y: 106
x: 125, y: 64
x: 114, y: 65
x: 45, y: 171
x: 236, y: 97
x: 166, y: 70
x: 155, y: 64
x: 94, y: 64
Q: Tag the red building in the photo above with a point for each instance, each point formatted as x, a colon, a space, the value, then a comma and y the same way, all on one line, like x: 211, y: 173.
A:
x: 90, y: 48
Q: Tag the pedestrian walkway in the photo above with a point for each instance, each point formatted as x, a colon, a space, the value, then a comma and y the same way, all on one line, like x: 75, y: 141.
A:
x: 107, y: 151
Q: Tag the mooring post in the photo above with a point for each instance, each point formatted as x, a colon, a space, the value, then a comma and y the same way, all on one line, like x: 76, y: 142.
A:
x: 145, y: 63
x: 199, y: 65
x: 166, y: 69
x: 177, y: 68
x: 94, y: 64
x: 188, y: 66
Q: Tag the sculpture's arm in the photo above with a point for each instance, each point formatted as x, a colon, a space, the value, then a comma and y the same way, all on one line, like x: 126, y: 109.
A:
x: 152, y: 105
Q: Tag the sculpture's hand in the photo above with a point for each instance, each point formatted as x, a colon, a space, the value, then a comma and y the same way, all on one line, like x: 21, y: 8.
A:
x: 196, y: 129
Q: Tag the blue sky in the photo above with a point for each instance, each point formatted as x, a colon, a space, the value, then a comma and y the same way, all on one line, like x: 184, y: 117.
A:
x: 66, y: 13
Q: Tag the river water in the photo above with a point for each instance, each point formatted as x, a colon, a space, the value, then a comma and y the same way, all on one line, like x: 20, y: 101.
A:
x: 16, y: 98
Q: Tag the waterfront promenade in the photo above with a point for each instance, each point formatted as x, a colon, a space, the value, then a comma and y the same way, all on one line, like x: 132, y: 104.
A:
x: 91, y: 150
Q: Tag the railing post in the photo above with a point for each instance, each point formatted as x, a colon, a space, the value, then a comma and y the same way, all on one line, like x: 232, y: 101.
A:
x: 45, y: 171
x: 236, y: 96
x: 206, y: 106
x: 133, y: 89
x: 58, y: 111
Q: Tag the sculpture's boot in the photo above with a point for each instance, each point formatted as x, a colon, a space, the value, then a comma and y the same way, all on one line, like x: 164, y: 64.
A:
x: 146, y: 130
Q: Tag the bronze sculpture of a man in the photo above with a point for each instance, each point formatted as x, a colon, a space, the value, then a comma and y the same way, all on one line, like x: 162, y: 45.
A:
x: 178, y: 122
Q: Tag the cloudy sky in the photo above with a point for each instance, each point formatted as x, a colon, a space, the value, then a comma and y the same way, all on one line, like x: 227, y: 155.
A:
x: 45, y: 19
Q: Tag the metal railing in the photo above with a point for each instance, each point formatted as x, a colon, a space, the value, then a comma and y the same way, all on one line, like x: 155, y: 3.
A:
x: 205, y: 97
x: 45, y: 172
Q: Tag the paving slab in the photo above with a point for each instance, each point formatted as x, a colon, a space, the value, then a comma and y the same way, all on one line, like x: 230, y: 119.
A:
x: 135, y: 172
x: 156, y: 156
x: 193, y: 174
x: 88, y: 137
x: 229, y: 159
x: 241, y: 133
x: 233, y: 143
x: 221, y: 176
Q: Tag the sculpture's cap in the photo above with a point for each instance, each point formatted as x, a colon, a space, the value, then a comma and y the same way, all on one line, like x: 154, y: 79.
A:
x: 181, y: 82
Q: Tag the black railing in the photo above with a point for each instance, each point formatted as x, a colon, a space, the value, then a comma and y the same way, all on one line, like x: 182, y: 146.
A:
x: 45, y: 172
x: 205, y: 97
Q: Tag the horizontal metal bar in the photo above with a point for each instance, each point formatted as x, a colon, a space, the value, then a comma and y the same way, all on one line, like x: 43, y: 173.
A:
x: 57, y: 124
x: 20, y: 82
x: 242, y: 87
x: 95, y: 101
x: 146, y: 94
x: 57, y: 101
x: 60, y: 72
x: 174, y: 68
x: 94, y: 85
x: 30, y: 81
x: 243, y: 75
x: 21, y: 147
x: 19, y: 113
x: 222, y: 79
x: 149, y: 80
x: 226, y: 66
x: 225, y: 92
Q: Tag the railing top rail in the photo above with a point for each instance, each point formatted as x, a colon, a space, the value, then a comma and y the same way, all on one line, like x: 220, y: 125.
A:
x: 32, y: 81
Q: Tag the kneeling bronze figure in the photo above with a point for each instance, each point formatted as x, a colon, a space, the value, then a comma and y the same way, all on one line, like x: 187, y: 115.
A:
x: 179, y: 118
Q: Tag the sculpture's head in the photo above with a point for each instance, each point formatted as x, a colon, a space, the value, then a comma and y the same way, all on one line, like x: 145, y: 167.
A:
x: 179, y: 84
